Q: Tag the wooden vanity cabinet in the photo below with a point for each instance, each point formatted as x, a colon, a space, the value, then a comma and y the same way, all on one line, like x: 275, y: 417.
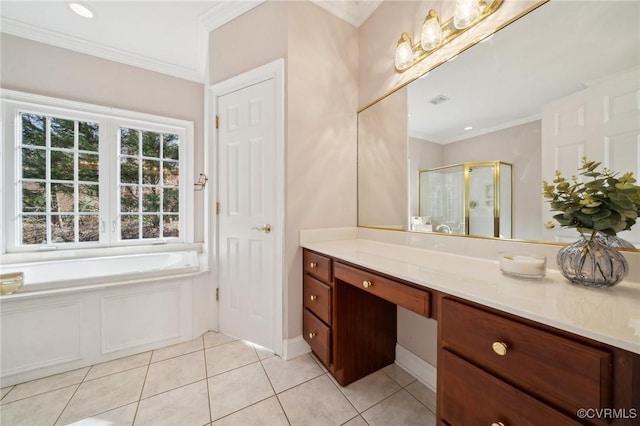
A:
x: 494, y: 368
x: 317, y: 302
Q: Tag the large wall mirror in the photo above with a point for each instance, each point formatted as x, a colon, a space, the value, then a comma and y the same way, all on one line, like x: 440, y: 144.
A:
x: 557, y: 84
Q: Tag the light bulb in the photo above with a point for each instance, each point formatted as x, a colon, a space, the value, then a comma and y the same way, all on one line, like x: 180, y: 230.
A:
x: 81, y: 10
x: 404, y: 53
x: 465, y: 14
x: 431, y: 36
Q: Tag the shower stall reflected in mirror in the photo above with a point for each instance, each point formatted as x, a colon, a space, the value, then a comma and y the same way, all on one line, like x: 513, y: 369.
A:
x: 466, y: 199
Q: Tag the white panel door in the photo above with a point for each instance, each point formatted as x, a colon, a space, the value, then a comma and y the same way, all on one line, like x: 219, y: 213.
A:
x: 247, y: 247
x: 602, y: 123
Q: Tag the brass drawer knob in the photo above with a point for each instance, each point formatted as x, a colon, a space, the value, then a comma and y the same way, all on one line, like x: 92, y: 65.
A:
x: 312, y: 265
x: 313, y: 297
x: 367, y: 284
x: 497, y: 424
x: 312, y: 335
x: 500, y: 348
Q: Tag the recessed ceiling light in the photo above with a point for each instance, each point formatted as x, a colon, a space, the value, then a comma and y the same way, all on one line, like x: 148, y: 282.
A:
x: 468, y: 128
x: 81, y: 10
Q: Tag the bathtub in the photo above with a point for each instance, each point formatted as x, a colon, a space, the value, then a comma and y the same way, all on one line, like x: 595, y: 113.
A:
x: 97, y: 271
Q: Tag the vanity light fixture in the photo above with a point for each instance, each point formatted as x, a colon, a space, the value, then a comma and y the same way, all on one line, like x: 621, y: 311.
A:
x: 434, y: 35
x: 81, y: 10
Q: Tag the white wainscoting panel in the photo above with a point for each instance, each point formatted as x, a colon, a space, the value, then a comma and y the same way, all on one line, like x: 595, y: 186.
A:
x: 40, y: 335
x: 141, y: 317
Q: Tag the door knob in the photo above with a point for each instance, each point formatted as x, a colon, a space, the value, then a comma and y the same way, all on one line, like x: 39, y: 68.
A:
x: 264, y: 228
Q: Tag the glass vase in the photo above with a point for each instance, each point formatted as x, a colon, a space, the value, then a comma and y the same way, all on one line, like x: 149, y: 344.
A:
x: 590, y: 262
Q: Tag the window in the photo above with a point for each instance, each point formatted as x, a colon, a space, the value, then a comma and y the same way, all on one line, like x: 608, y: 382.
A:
x: 85, y: 176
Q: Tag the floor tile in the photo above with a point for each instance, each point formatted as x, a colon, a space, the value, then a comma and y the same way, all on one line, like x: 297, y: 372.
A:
x: 265, y: 413
x: 46, y: 384
x: 213, y: 338
x: 41, y: 409
x: 174, y: 372
x: 320, y: 364
x: 370, y: 390
x: 287, y: 374
x: 177, y: 350
x: 399, y: 374
x: 237, y: 389
x: 104, y: 394
x: 401, y: 409
x: 229, y: 356
x: 184, y: 406
x: 122, y: 416
x: 423, y: 394
x: 263, y: 353
x: 5, y: 391
x: 317, y: 402
x: 356, y: 421
x: 118, y: 365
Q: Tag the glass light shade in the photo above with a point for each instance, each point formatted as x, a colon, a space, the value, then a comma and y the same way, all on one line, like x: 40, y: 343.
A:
x: 431, y: 36
x: 404, y: 53
x: 466, y: 12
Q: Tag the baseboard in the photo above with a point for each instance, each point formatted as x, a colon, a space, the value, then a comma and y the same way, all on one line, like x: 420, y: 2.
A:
x: 292, y: 348
x: 419, y: 368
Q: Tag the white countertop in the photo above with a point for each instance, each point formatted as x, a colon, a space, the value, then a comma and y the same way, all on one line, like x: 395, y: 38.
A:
x: 610, y: 315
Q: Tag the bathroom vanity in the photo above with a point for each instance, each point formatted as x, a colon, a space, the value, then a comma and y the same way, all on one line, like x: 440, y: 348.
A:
x: 509, y: 351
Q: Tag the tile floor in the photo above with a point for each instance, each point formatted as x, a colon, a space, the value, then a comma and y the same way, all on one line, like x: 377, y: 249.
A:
x: 216, y: 380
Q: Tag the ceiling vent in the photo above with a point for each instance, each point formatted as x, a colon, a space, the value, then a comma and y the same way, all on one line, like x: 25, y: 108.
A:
x: 438, y: 99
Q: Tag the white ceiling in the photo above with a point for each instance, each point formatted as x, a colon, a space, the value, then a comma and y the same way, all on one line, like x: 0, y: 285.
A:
x: 558, y: 49
x: 161, y: 35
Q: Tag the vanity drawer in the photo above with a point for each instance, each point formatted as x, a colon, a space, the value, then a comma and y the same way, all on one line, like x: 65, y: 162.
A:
x: 471, y: 396
x: 317, y: 265
x: 561, y: 371
x: 412, y: 298
x: 317, y: 335
x: 317, y: 298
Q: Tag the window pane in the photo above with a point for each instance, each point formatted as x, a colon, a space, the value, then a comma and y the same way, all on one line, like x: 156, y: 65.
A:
x: 88, y: 199
x: 150, y: 226
x: 171, y: 145
x: 171, y: 226
x: 170, y: 173
x: 151, y: 144
x: 33, y: 130
x: 171, y: 201
x: 34, y: 229
x: 61, y: 165
x: 129, y: 228
x: 34, y: 197
x: 129, y: 199
x: 88, y: 167
x: 89, y: 227
x: 129, y: 140
x: 34, y: 163
x: 62, y: 228
x: 88, y: 136
x: 62, y: 132
x: 62, y: 197
x: 150, y: 172
x: 128, y: 170
x: 151, y: 200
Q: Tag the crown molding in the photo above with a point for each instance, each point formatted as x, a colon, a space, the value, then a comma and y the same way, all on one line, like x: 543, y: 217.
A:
x: 225, y: 11
x: 54, y: 38
x: 353, y: 12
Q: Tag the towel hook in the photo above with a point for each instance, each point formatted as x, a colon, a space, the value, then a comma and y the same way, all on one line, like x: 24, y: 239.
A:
x: 201, y: 183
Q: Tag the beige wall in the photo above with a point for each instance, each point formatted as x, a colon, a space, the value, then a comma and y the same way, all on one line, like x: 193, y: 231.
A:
x: 43, y: 69
x: 321, y: 103
x: 422, y: 155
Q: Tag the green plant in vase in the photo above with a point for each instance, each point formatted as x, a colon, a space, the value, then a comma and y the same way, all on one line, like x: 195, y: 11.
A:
x: 602, y: 202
